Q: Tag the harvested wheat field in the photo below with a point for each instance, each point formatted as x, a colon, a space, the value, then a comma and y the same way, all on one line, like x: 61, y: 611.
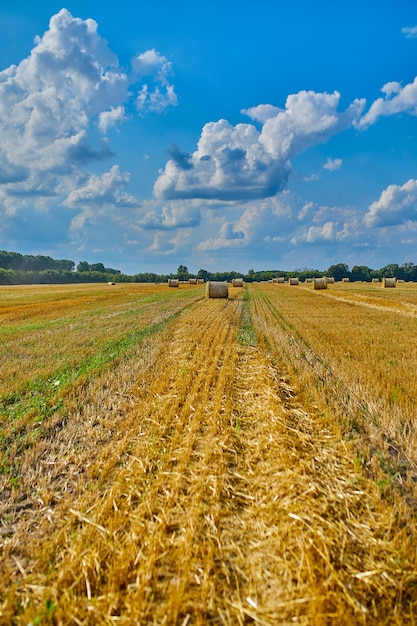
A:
x: 172, y: 459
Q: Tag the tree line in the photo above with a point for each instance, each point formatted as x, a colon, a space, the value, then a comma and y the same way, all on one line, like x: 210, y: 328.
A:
x: 16, y: 268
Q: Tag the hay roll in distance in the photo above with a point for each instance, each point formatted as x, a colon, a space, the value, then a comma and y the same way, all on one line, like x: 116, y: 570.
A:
x: 293, y: 281
x: 329, y: 280
x: 217, y: 289
x: 173, y: 282
x: 389, y: 282
x: 237, y: 282
x: 320, y: 283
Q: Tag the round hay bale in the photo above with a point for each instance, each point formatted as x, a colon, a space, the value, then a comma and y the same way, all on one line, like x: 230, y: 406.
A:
x: 237, y: 282
x: 345, y: 280
x: 309, y: 280
x: 217, y: 289
x: 389, y: 282
x: 173, y: 282
x: 293, y: 280
x: 192, y: 281
x: 200, y: 281
x: 330, y: 280
x: 281, y: 279
x: 320, y: 283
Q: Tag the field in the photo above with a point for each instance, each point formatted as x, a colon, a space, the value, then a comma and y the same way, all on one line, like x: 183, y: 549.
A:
x: 168, y: 459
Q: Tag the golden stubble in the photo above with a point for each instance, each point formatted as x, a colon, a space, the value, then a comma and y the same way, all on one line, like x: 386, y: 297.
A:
x: 208, y: 481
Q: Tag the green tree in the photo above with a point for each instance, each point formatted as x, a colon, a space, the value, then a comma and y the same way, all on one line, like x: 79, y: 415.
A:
x: 361, y: 272
x: 83, y: 266
x: 182, y: 272
x: 338, y: 271
x: 203, y: 274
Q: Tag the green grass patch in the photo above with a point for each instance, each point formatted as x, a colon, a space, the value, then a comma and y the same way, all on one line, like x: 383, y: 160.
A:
x: 41, y: 398
x: 246, y: 335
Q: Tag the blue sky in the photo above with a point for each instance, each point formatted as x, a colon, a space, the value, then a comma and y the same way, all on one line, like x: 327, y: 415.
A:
x: 221, y: 135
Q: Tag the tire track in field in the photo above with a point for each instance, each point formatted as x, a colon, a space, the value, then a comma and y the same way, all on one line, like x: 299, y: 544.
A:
x: 404, y: 308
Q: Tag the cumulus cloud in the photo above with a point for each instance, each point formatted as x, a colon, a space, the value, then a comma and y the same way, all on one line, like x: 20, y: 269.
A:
x: 396, y: 205
x: 397, y: 99
x: 112, y: 117
x: 259, y: 224
x: 236, y: 162
x: 104, y: 189
x: 171, y: 216
x: 47, y: 101
x: 262, y: 112
x: 157, y: 93
x: 53, y: 102
x: 314, y: 234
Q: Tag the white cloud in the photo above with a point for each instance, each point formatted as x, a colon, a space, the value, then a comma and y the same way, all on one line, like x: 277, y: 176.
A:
x: 168, y: 244
x: 326, y: 232
x: 159, y: 94
x: 410, y: 32
x: 397, y: 100
x: 332, y: 164
x: 47, y: 101
x: 106, y: 189
x: 309, y: 118
x: 51, y: 106
x: 260, y: 222
x: 50, y: 103
x: 156, y: 100
x: 171, y: 216
x: 236, y: 162
x: 262, y: 112
x: 110, y: 118
x: 396, y: 205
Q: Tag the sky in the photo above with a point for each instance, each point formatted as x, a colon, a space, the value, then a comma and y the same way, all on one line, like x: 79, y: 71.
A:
x: 224, y: 135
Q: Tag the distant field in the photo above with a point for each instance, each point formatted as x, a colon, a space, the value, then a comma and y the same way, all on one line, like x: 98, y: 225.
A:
x: 167, y: 459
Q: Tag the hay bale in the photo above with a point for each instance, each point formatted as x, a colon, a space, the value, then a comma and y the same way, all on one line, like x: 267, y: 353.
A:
x: 389, y: 282
x: 173, y: 282
x: 330, y: 279
x: 275, y: 280
x: 345, y: 280
x: 237, y: 282
x: 320, y: 283
x: 375, y: 280
x: 217, y: 289
x: 293, y: 281
x: 192, y: 281
x: 281, y: 279
x: 309, y: 280
x: 111, y: 283
x: 200, y: 281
